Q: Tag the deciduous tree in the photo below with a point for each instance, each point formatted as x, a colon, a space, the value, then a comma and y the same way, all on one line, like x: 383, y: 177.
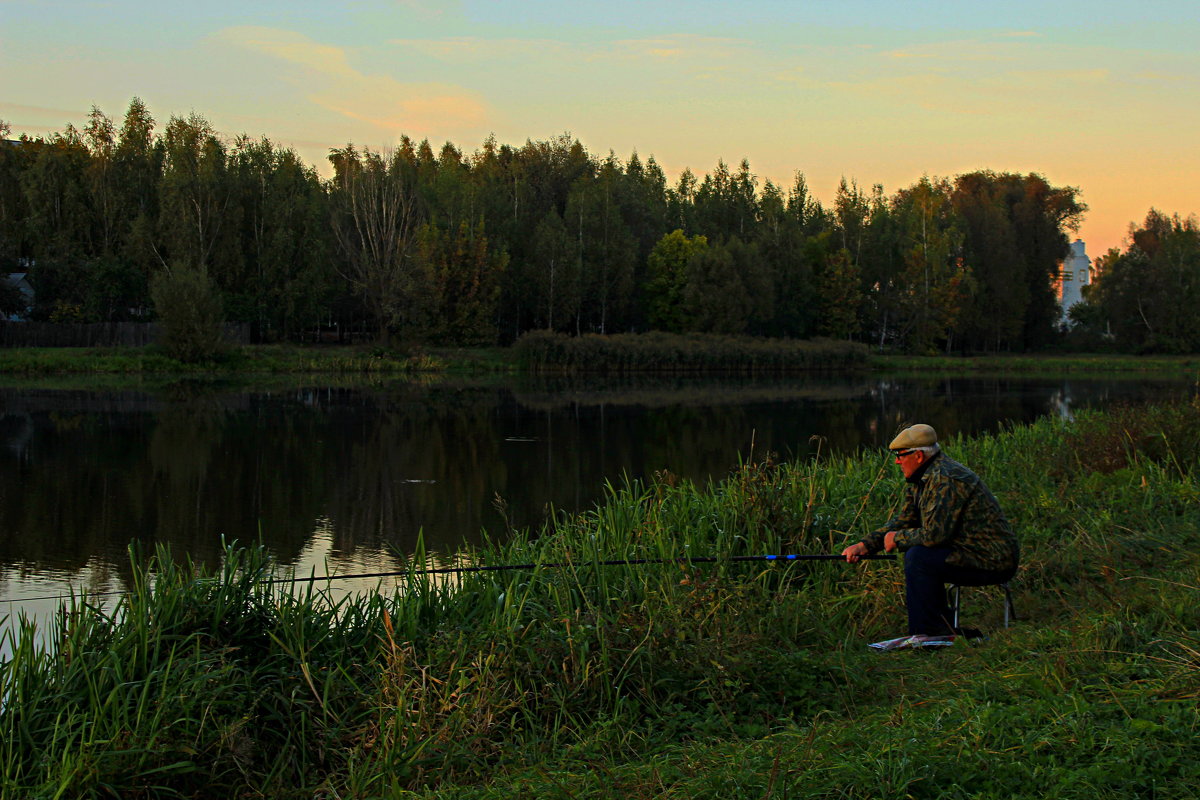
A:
x: 1147, y: 295
x: 667, y: 278
x: 373, y: 202
x: 196, y: 196
x: 727, y: 289
x: 928, y: 294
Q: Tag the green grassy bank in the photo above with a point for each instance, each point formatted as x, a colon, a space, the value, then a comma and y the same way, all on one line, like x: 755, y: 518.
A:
x: 544, y: 351
x: 732, y: 680
x: 539, y: 351
x: 1040, y: 363
x: 551, y: 353
x: 248, y: 359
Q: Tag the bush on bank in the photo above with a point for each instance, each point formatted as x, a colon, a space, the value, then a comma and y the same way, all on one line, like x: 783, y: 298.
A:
x: 676, y: 680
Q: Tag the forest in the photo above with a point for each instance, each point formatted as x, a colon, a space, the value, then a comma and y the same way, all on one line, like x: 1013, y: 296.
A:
x: 124, y: 221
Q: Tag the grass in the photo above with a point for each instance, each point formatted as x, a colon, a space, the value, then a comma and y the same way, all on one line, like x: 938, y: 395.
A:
x: 545, y: 351
x: 553, y: 353
x: 251, y: 359
x: 1082, y: 363
x: 730, y: 680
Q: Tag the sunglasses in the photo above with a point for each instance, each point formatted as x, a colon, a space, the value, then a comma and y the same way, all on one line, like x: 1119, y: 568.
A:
x: 903, y: 453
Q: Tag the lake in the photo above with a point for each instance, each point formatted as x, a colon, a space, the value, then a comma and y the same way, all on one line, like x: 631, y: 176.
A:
x: 343, y: 478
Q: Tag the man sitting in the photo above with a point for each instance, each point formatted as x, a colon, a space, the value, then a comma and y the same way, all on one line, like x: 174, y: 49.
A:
x: 950, y: 529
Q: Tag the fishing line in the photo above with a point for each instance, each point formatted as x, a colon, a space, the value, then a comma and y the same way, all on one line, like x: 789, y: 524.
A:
x: 620, y: 562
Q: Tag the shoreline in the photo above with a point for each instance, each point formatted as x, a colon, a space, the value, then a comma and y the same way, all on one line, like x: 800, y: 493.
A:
x: 376, y: 363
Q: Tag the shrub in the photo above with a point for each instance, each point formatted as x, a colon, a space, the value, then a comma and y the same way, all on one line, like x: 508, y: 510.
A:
x: 189, y: 309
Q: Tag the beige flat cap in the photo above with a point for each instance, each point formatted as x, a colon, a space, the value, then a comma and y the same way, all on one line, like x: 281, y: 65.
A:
x: 916, y: 436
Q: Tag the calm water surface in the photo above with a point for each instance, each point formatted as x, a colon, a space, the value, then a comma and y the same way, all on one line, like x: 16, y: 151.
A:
x: 342, y: 479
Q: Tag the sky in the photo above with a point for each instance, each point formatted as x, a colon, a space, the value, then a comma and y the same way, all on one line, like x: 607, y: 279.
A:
x: 1102, y: 96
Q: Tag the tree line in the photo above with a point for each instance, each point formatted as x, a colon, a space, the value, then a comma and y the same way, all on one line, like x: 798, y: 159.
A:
x: 126, y: 221
x: 1145, y: 297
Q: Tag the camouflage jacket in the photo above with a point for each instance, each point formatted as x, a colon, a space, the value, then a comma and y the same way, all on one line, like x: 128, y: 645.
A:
x: 947, y: 505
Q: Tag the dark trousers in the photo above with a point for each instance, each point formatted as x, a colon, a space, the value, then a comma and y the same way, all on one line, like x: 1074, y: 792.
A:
x: 926, y: 574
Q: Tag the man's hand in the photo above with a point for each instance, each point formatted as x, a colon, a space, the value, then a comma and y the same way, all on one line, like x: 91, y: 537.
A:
x: 889, y: 541
x: 855, y: 551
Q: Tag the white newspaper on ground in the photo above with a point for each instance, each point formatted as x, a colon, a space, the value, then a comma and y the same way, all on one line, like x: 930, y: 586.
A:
x: 908, y: 642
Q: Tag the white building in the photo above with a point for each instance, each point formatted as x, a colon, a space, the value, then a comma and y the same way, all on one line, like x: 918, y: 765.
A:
x: 1076, y: 274
x: 17, y: 281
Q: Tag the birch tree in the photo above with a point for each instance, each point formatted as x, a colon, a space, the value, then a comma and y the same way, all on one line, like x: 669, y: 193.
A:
x: 195, y: 193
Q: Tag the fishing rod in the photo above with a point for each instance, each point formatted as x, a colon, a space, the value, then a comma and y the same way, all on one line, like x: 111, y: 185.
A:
x: 619, y: 562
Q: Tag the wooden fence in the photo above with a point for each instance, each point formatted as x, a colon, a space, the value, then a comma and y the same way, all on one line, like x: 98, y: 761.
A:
x: 96, y: 334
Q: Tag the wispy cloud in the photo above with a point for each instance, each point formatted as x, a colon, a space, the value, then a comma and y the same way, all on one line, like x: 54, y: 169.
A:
x: 17, y: 108
x: 1058, y: 77
x: 397, y: 114
x: 293, y: 47
x: 897, y: 87
x: 19, y: 128
x: 907, y: 54
x: 471, y: 48
x: 947, y: 80
x: 332, y: 82
x: 958, y: 51
x: 670, y: 47
x: 793, y: 75
x: 1167, y: 77
x: 428, y: 8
